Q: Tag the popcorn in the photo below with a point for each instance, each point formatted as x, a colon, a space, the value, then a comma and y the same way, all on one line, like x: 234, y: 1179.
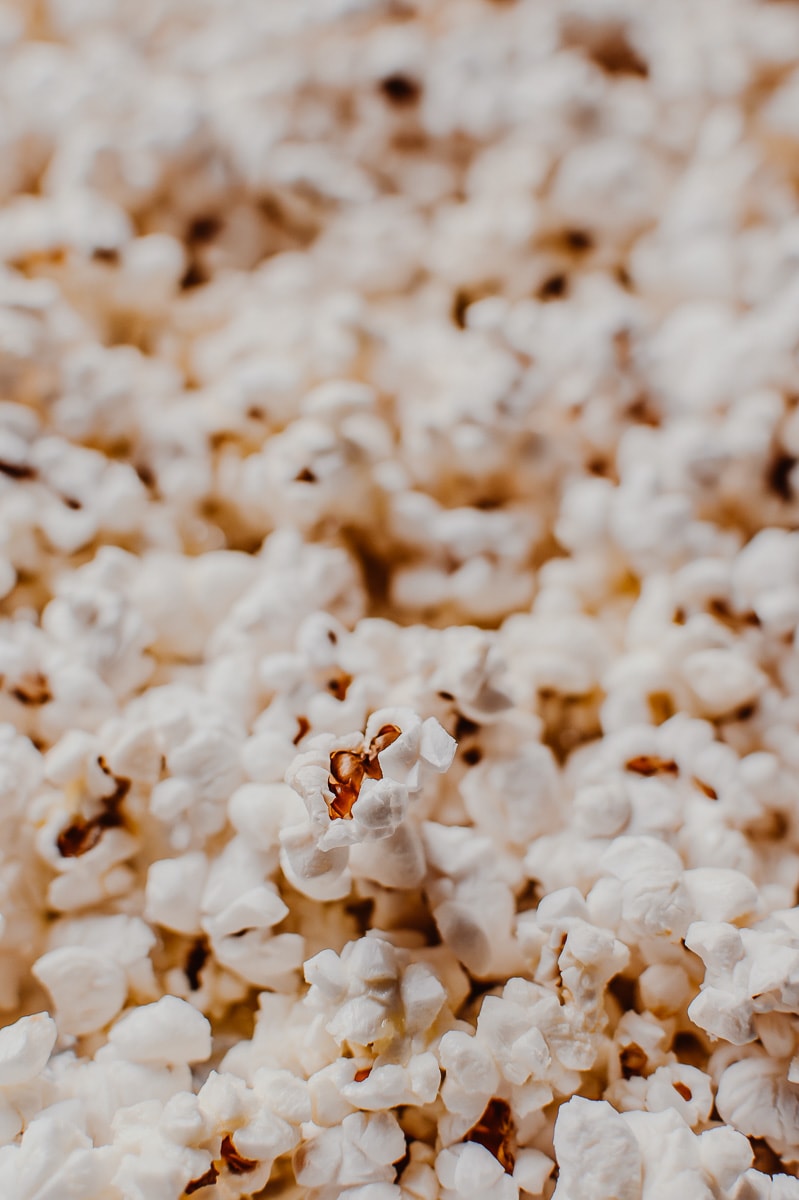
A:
x: 87, y: 988
x: 747, y: 971
x: 174, y: 892
x: 255, y: 1135
x: 360, y: 1151
x: 755, y: 1097
x: 379, y: 999
x: 506, y: 787
x: 400, y: 585
x: 358, y: 793
x: 389, y: 1085
x: 722, y: 681
x: 653, y: 1149
x: 25, y: 1048
x: 140, y: 1144
x: 672, y: 1086
x: 169, y: 1031
x: 54, y: 1132
x: 596, y: 1150
x: 469, y: 1170
x: 653, y: 897
x: 471, y: 901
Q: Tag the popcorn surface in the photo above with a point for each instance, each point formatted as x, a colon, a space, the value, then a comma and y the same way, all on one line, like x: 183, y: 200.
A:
x: 399, y: 595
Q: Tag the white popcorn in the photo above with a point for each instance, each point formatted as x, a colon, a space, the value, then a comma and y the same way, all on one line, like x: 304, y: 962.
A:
x: 54, y: 1134
x: 169, y: 1031
x: 755, y: 1096
x: 673, y: 1156
x: 532, y: 1170
x: 473, y: 910
x: 654, y: 1151
x: 87, y: 987
x: 506, y: 786
x: 225, y: 1103
x: 471, y: 1171
x: 389, y: 1085
x: 471, y: 1074
x: 356, y: 793
x: 721, y: 895
x: 665, y: 989
x: 400, y: 593
x: 596, y: 1151
x: 126, y: 941
x: 374, y: 996
x: 25, y: 1048
x: 654, y: 900
x: 682, y: 1088
x: 140, y: 1145
x: 748, y: 971
x: 360, y: 1151
x: 722, y: 681
x: 174, y: 892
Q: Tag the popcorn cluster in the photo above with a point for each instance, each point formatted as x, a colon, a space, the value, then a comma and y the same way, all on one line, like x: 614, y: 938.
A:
x: 399, y: 571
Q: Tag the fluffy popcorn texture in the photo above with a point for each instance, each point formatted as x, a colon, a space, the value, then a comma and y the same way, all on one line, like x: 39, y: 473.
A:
x: 399, y: 600
x: 169, y: 1031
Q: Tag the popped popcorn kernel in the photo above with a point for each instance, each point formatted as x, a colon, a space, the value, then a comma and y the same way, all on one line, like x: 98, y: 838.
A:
x: 348, y: 770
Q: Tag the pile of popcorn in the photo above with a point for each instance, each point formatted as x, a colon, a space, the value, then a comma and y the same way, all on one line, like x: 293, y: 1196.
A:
x: 399, y: 595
